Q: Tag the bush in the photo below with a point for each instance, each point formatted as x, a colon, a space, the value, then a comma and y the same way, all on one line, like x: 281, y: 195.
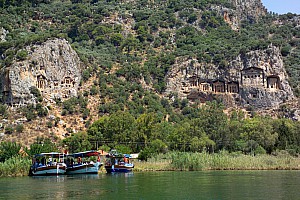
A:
x: 260, y: 150
x: 3, y: 110
x: 22, y: 55
x: 8, y: 130
x: 20, y: 128
x: 8, y: 150
x: 286, y: 50
x: 15, y: 166
x: 94, y: 90
x: 42, y: 112
x: 49, y: 124
x: 145, y: 154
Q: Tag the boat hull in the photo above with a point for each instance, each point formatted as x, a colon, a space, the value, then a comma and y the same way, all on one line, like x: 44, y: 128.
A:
x: 47, y: 170
x: 84, y: 168
x: 118, y: 168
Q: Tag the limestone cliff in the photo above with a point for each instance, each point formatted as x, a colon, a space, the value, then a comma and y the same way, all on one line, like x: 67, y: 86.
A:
x: 242, y: 10
x: 257, y: 79
x: 53, y: 67
x: 3, y: 34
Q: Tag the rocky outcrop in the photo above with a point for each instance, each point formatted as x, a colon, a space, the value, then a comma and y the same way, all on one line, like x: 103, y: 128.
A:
x: 250, y: 10
x: 3, y: 34
x: 53, y: 67
x: 257, y: 79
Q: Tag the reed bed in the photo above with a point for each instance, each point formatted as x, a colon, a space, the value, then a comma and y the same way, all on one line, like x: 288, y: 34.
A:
x: 185, y: 161
x: 15, y: 166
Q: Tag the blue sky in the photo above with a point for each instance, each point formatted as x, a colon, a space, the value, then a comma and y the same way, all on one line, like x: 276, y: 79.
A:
x: 282, y: 6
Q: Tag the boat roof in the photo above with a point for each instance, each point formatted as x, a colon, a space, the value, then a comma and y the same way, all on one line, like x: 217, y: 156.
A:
x: 85, y: 154
x: 127, y: 155
x: 116, y: 154
x: 52, y: 154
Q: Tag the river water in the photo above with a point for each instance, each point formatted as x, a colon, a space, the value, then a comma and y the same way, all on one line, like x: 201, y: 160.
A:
x: 210, y: 185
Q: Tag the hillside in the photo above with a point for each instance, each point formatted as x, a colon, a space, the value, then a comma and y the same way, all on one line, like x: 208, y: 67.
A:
x: 67, y: 64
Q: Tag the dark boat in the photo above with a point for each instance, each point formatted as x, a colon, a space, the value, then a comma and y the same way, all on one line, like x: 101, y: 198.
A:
x: 116, y: 162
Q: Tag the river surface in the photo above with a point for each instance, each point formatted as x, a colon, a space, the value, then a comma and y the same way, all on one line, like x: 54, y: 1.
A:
x: 211, y: 185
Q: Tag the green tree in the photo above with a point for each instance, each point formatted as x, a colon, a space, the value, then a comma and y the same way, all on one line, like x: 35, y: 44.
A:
x: 42, y: 145
x: 9, y: 150
x: 259, y: 130
x: 117, y: 39
x: 130, y: 43
x: 120, y: 126
x: 78, y: 142
x: 98, y: 130
x: 144, y: 126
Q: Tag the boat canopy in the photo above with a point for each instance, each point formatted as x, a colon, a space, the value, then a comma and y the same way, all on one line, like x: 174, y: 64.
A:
x: 51, y: 154
x: 127, y: 155
x: 84, y: 154
x: 115, y: 154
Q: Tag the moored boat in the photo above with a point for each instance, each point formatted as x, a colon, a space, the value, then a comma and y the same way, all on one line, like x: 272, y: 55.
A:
x: 87, y: 162
x: 117, y: 162
x: 48, y: 164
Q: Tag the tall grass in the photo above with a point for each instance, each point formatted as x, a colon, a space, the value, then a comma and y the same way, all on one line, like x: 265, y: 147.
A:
x: 186, y: 161
x: 15, y: 166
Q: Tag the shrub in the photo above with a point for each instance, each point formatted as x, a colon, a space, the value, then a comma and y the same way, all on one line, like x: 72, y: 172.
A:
x: 8, y: 150
x: 3, y: 110
x: 8, y: 130
x: 20, y: 128
x: 49, y: 124
x: 15, y: 166
x: 22, y: 55
x: 145, y: 154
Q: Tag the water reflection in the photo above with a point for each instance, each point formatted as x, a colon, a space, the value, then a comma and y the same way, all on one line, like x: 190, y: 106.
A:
x: 84, y: 176
x: 157, y: 185
x: 58, y: 179
x: 127, y: 175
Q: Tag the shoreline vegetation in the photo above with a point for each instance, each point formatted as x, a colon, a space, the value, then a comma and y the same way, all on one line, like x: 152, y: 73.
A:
x: 182, y: 161
x: 15, y: 166
x: 185, y: 161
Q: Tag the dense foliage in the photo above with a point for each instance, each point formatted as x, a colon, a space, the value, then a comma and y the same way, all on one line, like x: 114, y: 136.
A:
x: 204, y: 129
x: 123, y: 42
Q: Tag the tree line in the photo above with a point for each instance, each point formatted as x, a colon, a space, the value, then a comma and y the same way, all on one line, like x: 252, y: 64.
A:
x: 202, y: 129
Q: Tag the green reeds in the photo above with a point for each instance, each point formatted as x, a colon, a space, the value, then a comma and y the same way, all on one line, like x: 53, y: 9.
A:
x: 15, y: 166
x: 186, y: 161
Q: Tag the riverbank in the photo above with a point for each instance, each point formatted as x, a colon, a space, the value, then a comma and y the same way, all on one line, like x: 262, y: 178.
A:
x: 184, y: 161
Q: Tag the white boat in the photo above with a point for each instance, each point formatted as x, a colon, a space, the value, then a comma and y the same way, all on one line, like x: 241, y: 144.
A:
x: 87, y: 162
x: 48, y: 164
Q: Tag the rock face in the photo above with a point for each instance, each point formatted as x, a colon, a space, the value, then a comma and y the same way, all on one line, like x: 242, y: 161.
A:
x: 257, y: 79
x: 52, y: 67
x: 3, y: 34
x: 242, y: 10
x: 249, y: 8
